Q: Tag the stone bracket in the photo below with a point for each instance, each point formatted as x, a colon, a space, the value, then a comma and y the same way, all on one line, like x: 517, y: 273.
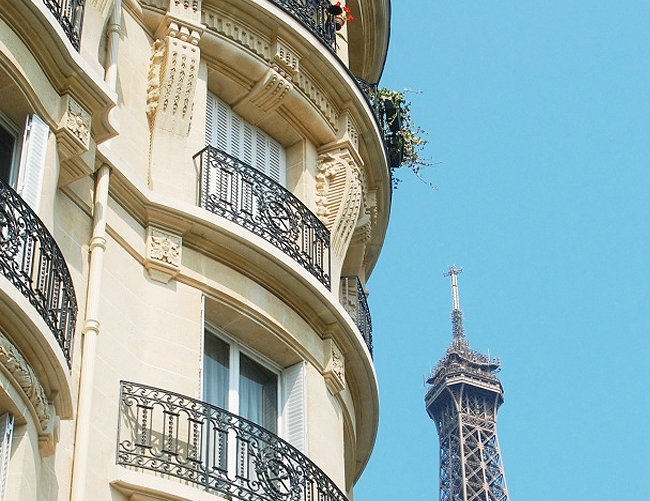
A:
x: 334, y: 367
x: 74, y: 142
x: 163, y: 254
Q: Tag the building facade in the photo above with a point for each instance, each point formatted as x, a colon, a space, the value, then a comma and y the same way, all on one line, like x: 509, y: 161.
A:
x: 193, y: 194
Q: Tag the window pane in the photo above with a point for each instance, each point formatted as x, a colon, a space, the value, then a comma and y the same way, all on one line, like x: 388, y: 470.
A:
x: 7, y: 147
x: 216, y: 367
x: 258, y: 394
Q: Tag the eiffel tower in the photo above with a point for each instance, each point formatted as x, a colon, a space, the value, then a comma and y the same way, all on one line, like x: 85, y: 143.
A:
x: 463, y: 401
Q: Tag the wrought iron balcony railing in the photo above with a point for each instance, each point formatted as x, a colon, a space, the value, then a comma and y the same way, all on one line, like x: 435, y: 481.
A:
x: 244, y: 195
x: 69, y: 14
x: 353, y: 299
x: 214, y: 449
x: 315, y: 16
x: 32, y: 261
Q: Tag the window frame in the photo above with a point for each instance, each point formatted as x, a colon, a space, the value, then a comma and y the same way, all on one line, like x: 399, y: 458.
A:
x: 8, y: 125
x: 235, y: 350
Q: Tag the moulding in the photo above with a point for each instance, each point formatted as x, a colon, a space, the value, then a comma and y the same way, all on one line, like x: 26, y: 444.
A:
x: 22, y: 373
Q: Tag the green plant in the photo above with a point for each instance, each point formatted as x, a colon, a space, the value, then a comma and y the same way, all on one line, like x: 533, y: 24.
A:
x: 404, y: 139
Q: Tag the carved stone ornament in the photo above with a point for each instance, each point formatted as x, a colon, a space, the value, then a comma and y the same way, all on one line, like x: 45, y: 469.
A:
x: 163, y: 257
x: 285, y: 57
x: 76, y: 151
x: 339, y: 196
x: 16, y: 365
x: 335, y: 368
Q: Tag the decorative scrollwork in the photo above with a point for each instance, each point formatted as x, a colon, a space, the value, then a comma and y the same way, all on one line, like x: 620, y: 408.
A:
x: 199, y: 443
x: 244, y: 195
x: 353, y: 299
x: 32, y: 261
x: 314, y: 15
x: 69, y: 14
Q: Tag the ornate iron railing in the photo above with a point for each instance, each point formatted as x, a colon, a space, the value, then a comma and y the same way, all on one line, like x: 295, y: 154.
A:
x: 69, y: 14
x: 353, y: 299
x: 244, y: 195
x: 214, y: 449
x: 315, y: 16
x: 32, y: 261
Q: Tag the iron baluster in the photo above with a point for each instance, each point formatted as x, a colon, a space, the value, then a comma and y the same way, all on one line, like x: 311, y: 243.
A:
x: 69, y: 14
x: 263, y: 467
x: 32, y: 261
x: 232, y: 189
x: 353, y: 298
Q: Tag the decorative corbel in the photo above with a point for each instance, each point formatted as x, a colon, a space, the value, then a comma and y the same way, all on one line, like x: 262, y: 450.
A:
x: 174, y: 68
x: 75, y: 145
x: 334, y: 368
x: 163, y: 254
x: 339, y: 185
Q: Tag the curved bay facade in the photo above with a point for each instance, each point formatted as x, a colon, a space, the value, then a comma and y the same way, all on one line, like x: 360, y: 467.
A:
x: 192, y: 197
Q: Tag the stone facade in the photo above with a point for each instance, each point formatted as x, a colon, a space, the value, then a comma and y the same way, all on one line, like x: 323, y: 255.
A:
x: 171, y: 272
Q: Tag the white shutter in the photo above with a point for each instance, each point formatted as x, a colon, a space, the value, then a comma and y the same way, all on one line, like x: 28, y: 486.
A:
x: 209, y: 119
x: 232, y: 134
x: 32, y: 161
x: 6, y: 434
x: 294, y: 406
x: 221, y: 139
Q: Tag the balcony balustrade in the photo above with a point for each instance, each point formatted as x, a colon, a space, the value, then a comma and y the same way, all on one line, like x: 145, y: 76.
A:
x: 246, y: 196
x: 353, y: 299
x: 213, y: 449
x: 314, y: 15
x: 32, y: 261
x: 69, y: 14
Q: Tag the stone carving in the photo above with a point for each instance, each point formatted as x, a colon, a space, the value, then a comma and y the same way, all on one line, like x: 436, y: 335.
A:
x: 312, y: 91
x: 163, y: 257
x: 73, y: 139
x: 153, y: 83
x: 78, y: 122
x: 340, y: 188
x: 335, y: 368
x: 165, y: 247
x: 24, y: 375
x: 285, y: 57
x: 269, y: 92
x: 236, y: 31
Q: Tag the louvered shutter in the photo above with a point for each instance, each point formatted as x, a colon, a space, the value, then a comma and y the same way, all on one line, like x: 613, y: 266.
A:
x: 294, y: 406
x: 232, y: 134
x: 32, y: 161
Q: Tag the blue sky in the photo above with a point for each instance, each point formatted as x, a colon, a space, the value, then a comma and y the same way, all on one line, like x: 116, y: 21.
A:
x: 538, y: 120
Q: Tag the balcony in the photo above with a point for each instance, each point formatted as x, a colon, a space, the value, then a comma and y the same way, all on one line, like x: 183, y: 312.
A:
x: 69, y: 14
x: 32, y: 261
x: 314, y: 15
x: 353, y: 299
x: 244, y: 195
x: 217, y: 451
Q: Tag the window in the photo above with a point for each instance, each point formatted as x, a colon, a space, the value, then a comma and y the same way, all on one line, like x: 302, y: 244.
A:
x: 8, y: 151
x: 230, y: 133
x: 22, y: 163
x: 236, y: 382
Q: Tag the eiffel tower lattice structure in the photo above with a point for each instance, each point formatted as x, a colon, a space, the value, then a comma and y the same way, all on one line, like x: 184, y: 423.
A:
x: 463, y: 401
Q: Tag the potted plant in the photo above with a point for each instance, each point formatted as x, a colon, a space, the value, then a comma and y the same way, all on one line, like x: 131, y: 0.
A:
x: 341, y: 14
x: 404, y: 140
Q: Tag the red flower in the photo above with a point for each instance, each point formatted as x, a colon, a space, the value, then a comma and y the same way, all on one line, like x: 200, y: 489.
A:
x: 350, y: 17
